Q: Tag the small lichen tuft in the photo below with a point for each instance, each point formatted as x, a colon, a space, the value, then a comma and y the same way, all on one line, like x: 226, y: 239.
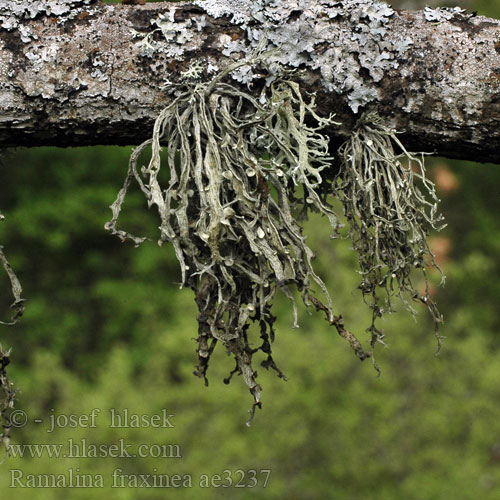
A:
x: 8, y: 392
x: 18, y: 304
x: 389, y: 205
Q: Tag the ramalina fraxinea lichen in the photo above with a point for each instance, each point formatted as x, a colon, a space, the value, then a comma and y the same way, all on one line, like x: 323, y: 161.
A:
x: 7, y: 398
x: 243, y: 172
x: 7, y: 389
x: 389, y: 205
x: 18, y: 304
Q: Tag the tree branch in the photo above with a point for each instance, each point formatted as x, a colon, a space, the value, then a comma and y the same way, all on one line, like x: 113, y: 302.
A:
x: 83, y: 73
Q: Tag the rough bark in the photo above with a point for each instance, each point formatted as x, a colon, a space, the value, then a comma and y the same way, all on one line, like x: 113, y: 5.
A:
x: 87, y: 78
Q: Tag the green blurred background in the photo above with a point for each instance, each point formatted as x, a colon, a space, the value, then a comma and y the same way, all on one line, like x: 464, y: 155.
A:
x: 107, y: 327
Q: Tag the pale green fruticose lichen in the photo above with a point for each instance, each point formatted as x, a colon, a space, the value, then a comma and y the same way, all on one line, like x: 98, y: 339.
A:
x: 7, y: 399
x: 7, y: 389
x: 236, y: 243
x: 390, y: 206
x: 244, y: 171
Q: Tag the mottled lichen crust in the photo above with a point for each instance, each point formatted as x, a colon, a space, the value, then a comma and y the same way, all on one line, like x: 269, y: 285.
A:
x: 13, y: 12
x: 306, y: 33
x: 442, y: 13
x: 174, y: 36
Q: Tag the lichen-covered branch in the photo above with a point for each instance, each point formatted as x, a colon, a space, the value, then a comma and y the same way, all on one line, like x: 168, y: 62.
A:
x: 244, y: 172
x: 76, y: 72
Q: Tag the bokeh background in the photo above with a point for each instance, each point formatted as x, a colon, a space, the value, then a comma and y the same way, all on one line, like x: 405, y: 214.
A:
x: 107, y: 327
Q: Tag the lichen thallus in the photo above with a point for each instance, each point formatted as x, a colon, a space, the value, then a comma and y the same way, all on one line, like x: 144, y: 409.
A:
x: 241, y: 167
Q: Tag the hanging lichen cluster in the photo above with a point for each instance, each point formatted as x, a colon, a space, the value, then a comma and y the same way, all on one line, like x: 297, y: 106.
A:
x: 7, y: 390
x: 390, y: 206
x: 244, y: 171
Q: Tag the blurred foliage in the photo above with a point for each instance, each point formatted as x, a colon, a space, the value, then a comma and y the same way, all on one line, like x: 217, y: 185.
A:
x: 107, y: 327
